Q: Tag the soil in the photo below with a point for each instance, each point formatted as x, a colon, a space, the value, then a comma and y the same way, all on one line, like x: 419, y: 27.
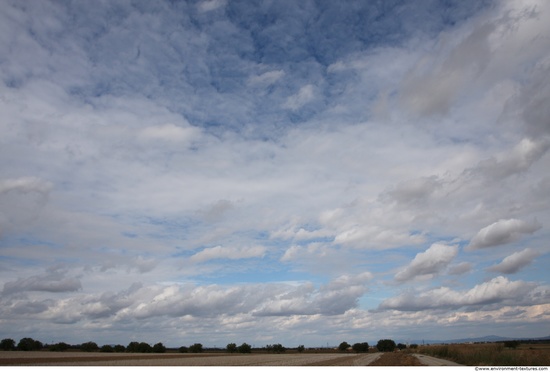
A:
x: 396, y: 359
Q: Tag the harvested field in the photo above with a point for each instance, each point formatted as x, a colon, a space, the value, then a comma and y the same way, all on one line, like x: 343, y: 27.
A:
x: 15, y: 358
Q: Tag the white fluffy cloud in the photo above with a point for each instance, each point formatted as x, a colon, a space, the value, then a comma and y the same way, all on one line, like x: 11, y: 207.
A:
x: 429, y: 263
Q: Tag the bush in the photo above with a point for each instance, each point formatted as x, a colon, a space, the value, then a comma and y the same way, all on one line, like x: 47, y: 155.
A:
x: 386, y: 345
x: 301, y: 348
x: 278, y: 348
x: 119, y: 348
x: 183, y: 349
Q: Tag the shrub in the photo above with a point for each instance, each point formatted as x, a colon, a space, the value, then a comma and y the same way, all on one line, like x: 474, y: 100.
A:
x: 106, y: 349
x: 183, y: 349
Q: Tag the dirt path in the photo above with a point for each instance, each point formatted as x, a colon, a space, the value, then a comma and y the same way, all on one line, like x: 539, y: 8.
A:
x: 356, y: 360
x: 396, y: 359
x: 431, y: 361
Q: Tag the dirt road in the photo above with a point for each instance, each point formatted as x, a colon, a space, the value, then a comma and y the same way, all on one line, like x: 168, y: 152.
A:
x: 431, y: 361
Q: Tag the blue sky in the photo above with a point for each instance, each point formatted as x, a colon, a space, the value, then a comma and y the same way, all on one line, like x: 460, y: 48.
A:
x: 292, y: 172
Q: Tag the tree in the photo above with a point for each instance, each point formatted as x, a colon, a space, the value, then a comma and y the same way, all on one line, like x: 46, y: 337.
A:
x: 245, y: 348
x: 89, y: 346
x: 195, y: 348
x: 60, y: 346
x: 159, y: 348
x: 119, y: 348
x: 231, y: 348
x: 401, y: 346
x: 361, y: 347
x: 106, y: 349
x: 183, y: 349
x: 133, y: 347
x: 144, y: 347
x: 7, y: 344
x: 301, y: 348
x: 28, y: 344
x: 278, y: 348
x: 343, y: 346
x: 386, y: 345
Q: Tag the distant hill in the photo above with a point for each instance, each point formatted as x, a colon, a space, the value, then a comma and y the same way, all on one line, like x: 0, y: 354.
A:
x: 490, y: 338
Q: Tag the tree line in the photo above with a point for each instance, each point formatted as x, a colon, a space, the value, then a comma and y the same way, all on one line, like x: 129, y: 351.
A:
x: 29, y: 344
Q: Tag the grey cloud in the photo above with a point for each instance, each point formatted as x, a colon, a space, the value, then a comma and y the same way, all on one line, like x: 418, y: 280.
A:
x: 49, y: 282
x: 502, y: 232
x: 496, y: 291
x: 515, y: 262
x: 431, y: 262
x: 25, y: 185
x: 460, y: 268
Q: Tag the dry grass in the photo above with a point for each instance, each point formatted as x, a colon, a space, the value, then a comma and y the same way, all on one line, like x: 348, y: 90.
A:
x: 493, y: 354
x: 396, y: 359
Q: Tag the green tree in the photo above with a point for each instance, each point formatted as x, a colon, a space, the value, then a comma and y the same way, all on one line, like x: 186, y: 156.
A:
x: 301, y: 348
x: 119, y: 348
x: 28, y: 344
x: 195, y: 348
x: 183, y: 349
x: 245, y: 348
x: 7, y: 344
x: 401, y: 346
x: 159, y: 348
x: 343, y: 346
x: 278, y: 348
x: 386, y: 345
x: 133, y: 347
x: 231, y: 348
x: 144, y: 347
x: 106, y: 349
x: 361, y: 347
x: 89, y: 346
x: 60, y: 346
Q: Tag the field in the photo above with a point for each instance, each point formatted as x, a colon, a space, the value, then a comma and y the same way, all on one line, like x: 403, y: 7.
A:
x: 491, y: 354
x: 47, y: 358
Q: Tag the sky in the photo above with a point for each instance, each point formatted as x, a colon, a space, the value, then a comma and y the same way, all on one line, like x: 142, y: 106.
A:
x: 294, y: 172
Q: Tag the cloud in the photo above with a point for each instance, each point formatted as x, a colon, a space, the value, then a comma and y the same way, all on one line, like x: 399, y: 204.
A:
x: 305, y: 95
x: 209, y: 5
x: 25, y: 185
x: 267, y: 78
x: 515, y: 262
x: 502, y: 232
x: 232, y: 253
x: 429, y: 263
x: 461, y: 268
x: 54, y: 281
x: 496, y: 291
x: 169, y: 132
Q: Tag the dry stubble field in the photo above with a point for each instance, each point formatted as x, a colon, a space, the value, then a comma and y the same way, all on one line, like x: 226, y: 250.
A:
x: 47, y: 358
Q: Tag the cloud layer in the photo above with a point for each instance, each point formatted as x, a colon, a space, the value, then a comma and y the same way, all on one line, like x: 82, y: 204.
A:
x: 275, y: 172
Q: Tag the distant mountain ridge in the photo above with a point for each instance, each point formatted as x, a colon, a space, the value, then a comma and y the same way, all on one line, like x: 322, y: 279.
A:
x: 490, y: 338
